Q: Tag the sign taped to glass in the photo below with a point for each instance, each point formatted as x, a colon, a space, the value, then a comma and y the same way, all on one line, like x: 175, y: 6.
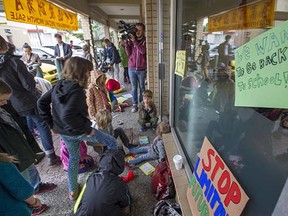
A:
x: 41, y: 13
x: 180, y: 64
x: 213, y: 189
x: 257, y: 15
x: 262, y: 70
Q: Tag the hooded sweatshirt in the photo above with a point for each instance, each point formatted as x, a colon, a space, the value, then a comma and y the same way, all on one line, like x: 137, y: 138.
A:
x: 137, y: 54
x: 14, y: 72
x: 69, y: 109
x: 105, y: 193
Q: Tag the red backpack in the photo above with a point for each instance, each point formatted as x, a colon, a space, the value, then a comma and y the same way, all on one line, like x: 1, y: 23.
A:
x: 162, y: 182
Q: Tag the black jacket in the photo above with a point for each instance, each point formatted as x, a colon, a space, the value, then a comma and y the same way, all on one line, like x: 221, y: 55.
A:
x: 66, y: 48
x: 14, y: 72
x: 69, y: 108
x: 14, y: 143
x: 112, y: 54
x: 105, y: 192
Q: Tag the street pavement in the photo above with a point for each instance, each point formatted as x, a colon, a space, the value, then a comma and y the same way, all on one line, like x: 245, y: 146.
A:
x: 140, y: 187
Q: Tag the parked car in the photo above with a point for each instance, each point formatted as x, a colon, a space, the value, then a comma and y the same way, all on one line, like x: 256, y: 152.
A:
x: 46, y: 54
x: 49, y: 72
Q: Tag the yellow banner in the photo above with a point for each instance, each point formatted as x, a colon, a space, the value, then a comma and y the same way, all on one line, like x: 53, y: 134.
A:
x: 180, y: 64
x: 257, y: 15
x: 40, y: 12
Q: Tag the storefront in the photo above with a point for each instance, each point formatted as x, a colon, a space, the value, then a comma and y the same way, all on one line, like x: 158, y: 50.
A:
x: 251, y: 136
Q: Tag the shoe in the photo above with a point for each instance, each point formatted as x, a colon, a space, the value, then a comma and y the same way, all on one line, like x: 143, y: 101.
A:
x: 75, y: 195
x: 45, y: 187
x: 83, y: 169
x: 53, y: 159
x: 39, y: 157
x: 134, y: 109
x: 119, y: 109
x: 142, y: 129
x: 124, y: 105
x: 130, y: 175
x: 40, y: 210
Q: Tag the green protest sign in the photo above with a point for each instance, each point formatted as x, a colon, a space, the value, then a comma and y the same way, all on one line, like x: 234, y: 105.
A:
x: 261, y: 77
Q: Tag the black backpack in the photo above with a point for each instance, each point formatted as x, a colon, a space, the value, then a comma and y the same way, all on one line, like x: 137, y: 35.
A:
x: 167, y: 208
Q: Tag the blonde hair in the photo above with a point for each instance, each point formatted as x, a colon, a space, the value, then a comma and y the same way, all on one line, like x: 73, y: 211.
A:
x: 162, y: 128
x: 7, y: 158
x: 77, y: 69
x: 103, y: 118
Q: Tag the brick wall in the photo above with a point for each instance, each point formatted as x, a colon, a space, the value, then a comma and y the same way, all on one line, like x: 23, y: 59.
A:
x: 151, y: 20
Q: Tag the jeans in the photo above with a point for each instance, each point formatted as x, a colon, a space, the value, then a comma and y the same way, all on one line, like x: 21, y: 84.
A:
x: 137, y: 76
x: 59, y: 66
x: 45, y: 133
x: 143, y: 157
x: 114, y: 72
x: 73, y: 144
x: 119, y: 132
x: 32, y: 176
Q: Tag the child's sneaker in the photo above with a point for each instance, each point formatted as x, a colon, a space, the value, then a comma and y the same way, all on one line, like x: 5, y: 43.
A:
x: 142, y: 129
x: 119, y: 109
x: 40, y: 210
x: 45, y: 187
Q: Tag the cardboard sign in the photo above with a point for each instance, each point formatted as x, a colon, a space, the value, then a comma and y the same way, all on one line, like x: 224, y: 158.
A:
x: 180, y: 64
x: 257, y: 15
x: 41, y: 13
x: 213, y: 190
x: 261, y: 76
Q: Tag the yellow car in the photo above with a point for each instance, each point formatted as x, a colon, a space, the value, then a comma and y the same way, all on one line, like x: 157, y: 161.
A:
x: 49, y: 72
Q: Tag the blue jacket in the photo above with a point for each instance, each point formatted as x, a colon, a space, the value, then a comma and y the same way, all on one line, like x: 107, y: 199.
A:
x: 112, y: 54
x: 14, y: 190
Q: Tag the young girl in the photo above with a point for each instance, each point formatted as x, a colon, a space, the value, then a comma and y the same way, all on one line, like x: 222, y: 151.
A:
x: 69, y: 115
x: 154, y: 151
x: 99, y: 97
x: 103, y: 121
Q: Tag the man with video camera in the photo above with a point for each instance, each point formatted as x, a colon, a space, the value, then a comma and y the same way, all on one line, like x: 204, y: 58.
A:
x: 136, y: 50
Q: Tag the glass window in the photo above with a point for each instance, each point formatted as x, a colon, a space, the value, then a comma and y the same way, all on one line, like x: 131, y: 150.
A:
x: 252, y: 141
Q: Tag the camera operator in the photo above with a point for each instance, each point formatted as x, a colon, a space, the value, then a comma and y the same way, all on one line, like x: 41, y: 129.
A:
x: 136, y: 50
x: 112, y: 58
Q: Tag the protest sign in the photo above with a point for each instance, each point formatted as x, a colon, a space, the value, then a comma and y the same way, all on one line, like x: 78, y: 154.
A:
x: 213, y: 190
x: 41, y: 13
x: 180, y: 64
x: 261, y: 77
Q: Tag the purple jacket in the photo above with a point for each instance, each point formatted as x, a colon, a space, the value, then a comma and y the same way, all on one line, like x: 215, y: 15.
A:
x: 137, y: 54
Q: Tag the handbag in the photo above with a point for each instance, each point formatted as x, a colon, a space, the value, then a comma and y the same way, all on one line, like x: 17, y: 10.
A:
x: 162, y: 182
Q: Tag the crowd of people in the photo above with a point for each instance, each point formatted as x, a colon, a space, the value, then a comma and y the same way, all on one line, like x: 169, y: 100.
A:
x: 77, y: 108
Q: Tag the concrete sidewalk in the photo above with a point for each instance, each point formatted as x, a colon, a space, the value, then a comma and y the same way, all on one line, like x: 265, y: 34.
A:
x: 140, y: 187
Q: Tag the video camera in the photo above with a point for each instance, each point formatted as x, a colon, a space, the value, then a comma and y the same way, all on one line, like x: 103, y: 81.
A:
x: 126, y: 29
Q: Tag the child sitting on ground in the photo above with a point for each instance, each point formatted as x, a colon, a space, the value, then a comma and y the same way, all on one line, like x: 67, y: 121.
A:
x: 103, y: 121
x: 155, y: 151
x: 147, y: 112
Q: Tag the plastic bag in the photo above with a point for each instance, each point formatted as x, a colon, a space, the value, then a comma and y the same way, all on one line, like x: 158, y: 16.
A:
x: 162, y: 182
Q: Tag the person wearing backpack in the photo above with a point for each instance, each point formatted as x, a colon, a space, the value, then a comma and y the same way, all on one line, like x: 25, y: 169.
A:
x: 104, y: 192
x: 112, y: 58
